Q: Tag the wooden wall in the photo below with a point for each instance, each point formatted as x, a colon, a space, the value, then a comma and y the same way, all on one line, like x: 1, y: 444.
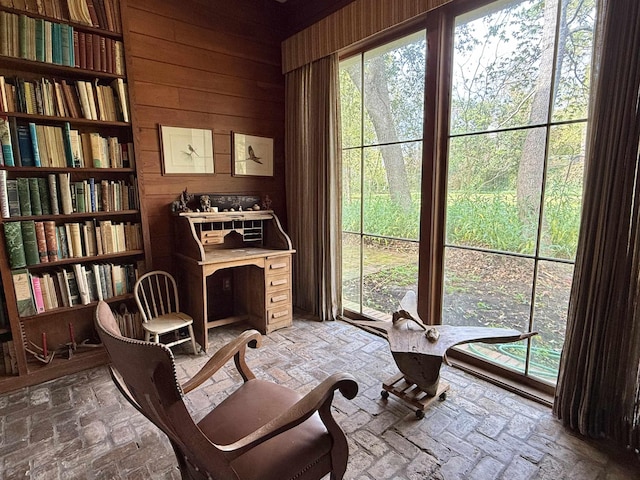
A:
x: 212, y: 64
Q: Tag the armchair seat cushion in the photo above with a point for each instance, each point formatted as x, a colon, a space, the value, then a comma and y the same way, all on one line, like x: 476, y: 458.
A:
x: 286, y: 456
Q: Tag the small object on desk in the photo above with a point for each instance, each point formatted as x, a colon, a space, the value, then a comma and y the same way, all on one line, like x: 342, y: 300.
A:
x: 419, y: 351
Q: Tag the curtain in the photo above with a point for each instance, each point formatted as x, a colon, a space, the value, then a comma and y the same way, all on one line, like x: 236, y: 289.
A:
x: 598, y: 386
x: 313, y: 185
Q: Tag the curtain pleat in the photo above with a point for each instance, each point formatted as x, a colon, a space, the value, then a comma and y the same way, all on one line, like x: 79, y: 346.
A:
x: 313, y: 185
x: 598, y: 385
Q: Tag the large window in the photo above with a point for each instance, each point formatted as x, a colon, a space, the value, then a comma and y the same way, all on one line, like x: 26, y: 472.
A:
x: 507, y: 159
x: 382, y: 100
x: 520, y: 84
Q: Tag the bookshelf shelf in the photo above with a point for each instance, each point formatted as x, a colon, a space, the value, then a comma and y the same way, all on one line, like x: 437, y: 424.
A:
x: 99, y: 258
x: 77, y: 216
x: 66, y: 134
x: 55, y: 69
x: 32, y: 117
x: 89, y: 306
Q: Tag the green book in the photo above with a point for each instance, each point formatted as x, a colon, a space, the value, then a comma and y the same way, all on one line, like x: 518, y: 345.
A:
x: 30, y: 241
x: 12, y: 195
x: 40, y: 52
x: 43, y: 192
x: 15, y: 245
x: 24, y: 196
x: 80, y: 197
x: 22, y: 36
x: 24, y: 297
x: 34, y: 195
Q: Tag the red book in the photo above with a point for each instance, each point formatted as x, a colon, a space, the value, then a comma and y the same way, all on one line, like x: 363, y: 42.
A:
x: 89, y: 50
x: 76, y: 48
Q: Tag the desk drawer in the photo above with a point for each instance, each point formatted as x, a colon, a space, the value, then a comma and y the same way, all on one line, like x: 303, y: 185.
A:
x: 212, y: 237
x: 279, y: 317
x: 277, y: 265
x: 278, y: 282
x: 279, y: 297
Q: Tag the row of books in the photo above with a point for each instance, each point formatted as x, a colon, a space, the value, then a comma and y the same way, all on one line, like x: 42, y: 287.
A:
x: 77, y: 284
x: 54, y: 98
x: 32, y: 242
x: 40, y: 40
x: 35, y: 145
x: 103, y: 14
x: 130, y: 323
x: 54, y: 195
x: 9, y: 365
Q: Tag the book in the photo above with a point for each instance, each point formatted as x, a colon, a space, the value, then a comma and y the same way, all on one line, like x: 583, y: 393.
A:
x: 72, y: 286
x: 68, y: 152
x: 25, y: 146
x: 51, y: 240
x: 96, y: 274
x: 33, y: 135
x: 36, y: 290
x: 65, y: 193
x: 12, y: 195
x: 75, y: 240
x: 30, y: 242
x: 46, y: 293
x: 120, y: 88
x: 34, y: 196
x: 5, y: 140
x: 4, y: 197
x: 43, y: 192
x: 41, y: 241
x: 53, y: 194
x: 81, y: 281
x: 13, y: 134
x: 24, y: 297
x: 63, y: 288
x: 76, y: 148
x: 14, y: 244
x: 63, y: 242
x: 24, y: 196
x: 90, y: 240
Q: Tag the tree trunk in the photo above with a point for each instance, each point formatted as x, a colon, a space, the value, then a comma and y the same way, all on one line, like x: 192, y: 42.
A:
x: 378, y: 105
x: 531, y: 168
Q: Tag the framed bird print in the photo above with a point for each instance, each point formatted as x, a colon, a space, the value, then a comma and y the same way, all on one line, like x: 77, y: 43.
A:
x: 186, y: 150
x: 252, y: 155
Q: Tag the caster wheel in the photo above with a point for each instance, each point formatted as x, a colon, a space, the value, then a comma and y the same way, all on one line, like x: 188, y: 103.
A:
x: 443, y: 396
x: 419, y: 414
x: 384, y: 394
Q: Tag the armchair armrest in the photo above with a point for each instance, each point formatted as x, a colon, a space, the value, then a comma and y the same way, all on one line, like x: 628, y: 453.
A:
x: 236, y: 349
x: 317, y: 400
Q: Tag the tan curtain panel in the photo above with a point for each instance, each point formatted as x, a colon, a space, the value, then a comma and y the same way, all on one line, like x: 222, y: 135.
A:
x: 313, y: 183
x: 597, y: 392
x: 355, y: 22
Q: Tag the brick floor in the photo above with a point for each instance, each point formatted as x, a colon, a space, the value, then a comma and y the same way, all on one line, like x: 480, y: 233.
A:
x: 79, y: 427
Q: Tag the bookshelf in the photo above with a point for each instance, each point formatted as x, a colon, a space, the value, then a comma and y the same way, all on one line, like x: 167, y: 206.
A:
x: 69, y: 177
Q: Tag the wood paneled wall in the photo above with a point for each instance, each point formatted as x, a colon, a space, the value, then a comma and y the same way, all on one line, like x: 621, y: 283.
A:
x: 211, y: 64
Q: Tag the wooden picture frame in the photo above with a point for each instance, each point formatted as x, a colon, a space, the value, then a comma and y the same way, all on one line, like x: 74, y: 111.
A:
x: 252, y: 155
x: 186, y: 151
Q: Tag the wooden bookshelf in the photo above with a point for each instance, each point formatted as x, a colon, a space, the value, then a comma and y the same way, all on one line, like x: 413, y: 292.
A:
x: 61, y: 323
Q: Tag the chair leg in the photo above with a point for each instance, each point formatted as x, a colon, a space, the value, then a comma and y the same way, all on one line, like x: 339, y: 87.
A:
x: 147, y: 336
x: 193, y: 340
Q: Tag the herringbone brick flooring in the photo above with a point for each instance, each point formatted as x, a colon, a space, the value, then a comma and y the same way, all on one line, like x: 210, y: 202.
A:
x: 79, y: 427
